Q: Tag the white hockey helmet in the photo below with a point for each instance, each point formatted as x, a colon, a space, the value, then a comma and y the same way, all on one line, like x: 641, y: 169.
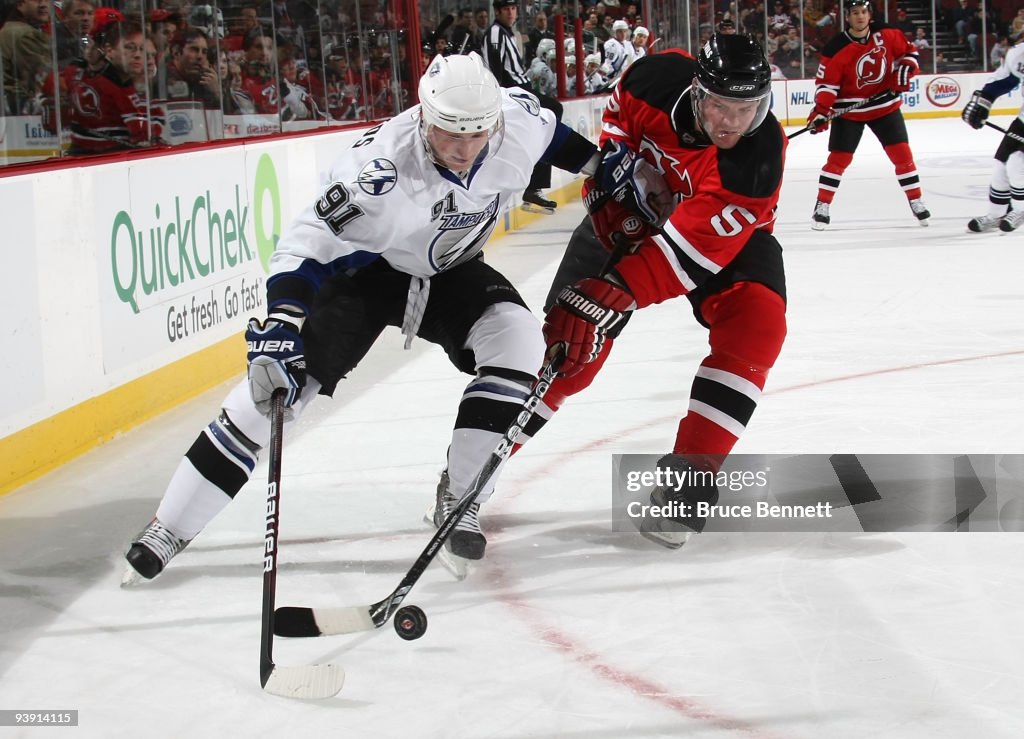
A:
x: 459, y: 95
x: 208, y: 19
x: 620, y: 25
x: 544, y: 46
x: 592, y: 59
x: 640, y: 31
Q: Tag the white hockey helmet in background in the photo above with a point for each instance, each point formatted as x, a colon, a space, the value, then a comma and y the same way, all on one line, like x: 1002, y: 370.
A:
x: 620, y: 25
x: 208, y: 19
x: 640, y: 31
x: 459, y: 94
x: 544, y: 46
x: 592, y: 59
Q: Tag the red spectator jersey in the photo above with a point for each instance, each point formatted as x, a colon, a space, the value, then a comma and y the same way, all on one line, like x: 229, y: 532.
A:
x: 107, y: 114
x: 722, y: 195
x: 851, y: 71
x: 263, y: 91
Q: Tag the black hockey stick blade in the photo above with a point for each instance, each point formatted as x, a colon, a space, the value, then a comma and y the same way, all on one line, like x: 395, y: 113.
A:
x: 301, y: 681
x: 301, y: 621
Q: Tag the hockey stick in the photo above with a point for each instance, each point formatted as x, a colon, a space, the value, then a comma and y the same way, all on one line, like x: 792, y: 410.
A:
x: 879, y: 98
x: 1009, y: 134
x: 301, y: 621
x: 303, y: 681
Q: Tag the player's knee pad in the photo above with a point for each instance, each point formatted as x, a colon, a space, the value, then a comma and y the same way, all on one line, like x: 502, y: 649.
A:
x: 1014, y: 171
x: 507, y: 335
x: 1000, y: 176
x: 838, y: 161
x: 748, y: 324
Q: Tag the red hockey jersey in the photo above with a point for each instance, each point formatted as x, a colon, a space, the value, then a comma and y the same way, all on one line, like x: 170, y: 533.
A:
x: 851, y: 71
x: 722, y: 195
x: 107, y: 114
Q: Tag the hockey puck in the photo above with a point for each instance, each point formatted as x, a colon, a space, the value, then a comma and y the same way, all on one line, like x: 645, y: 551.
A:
x: 410, y: 622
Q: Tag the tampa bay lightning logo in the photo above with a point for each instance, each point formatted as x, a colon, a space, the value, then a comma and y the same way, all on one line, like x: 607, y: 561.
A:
x: 529, y: 102
x: 377, y: 177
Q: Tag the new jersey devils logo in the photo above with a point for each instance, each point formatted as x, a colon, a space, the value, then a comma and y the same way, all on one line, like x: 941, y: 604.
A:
x: 871, y: 68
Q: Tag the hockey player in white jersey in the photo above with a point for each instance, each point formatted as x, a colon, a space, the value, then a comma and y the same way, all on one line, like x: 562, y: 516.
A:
x: 542, y: 79
x: 348, y: 267
x: 618, y: 51
x: 1006, y: 188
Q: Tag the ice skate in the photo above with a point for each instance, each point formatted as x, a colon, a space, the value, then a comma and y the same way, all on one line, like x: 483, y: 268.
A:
x: 1011, y: 221
x: 820, y: 217
x: 983, y: 223
x: 673, y: 531
x: 151, y: 550
x: 534, y: 202
x: 467, y: 542
x: 920, y: 211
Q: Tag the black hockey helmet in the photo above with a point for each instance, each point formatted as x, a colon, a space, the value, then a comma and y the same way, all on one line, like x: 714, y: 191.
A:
x: 851, y: 4
x: 504, y: 3
x: 732, y: 67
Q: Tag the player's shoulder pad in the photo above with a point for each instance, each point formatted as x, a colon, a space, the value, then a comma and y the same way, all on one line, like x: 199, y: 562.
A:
x: 753, y: 167
x: 659, y: 79
x: 835, y: 45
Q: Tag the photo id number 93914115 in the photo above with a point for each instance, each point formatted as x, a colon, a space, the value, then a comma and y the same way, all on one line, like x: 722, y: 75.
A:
x: 38, y: 718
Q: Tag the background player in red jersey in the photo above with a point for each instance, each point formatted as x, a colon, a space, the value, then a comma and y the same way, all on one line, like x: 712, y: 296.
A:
x: 705, y: 129
x: 868, y: 59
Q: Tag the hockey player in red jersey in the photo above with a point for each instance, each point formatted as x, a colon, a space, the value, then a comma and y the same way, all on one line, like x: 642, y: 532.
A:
x: 868, y: 59
x: 107, y: 114
x: 705, y: 129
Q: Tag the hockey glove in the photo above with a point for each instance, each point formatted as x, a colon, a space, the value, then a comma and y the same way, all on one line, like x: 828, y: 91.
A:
x: 276, y: 360
x: 977, y: 109
x: 610, y: 217
x: 901, y: 75
x: 818, y: 120
x: 583, y: 316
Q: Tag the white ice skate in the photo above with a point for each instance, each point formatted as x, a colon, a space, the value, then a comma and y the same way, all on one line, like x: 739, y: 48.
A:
x: 151, y: 550
x: 920, y: 211
x: 820, y: 217
x: 467, y: 541
x: 984, y: 223
x: 1011, y: 221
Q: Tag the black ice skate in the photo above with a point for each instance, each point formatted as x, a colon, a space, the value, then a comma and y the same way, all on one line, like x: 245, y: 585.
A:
x: 983, y: 223
x: 920, y: 211
x: 467, y: 542
x: 534, y: 202
x: 151, y: 550
x: 698, y: 487
x: 1011, y: 221
x: 820, y: 218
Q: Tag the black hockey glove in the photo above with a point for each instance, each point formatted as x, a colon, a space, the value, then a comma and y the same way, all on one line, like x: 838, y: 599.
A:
x: 977, y: 109
x: 276, y: 360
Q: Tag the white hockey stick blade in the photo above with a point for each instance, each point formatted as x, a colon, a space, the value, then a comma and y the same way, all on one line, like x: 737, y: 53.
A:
x: 343, y: 620
x: 311, y: 682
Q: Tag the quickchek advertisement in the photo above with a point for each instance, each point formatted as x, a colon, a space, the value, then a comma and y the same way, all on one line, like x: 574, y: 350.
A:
x: 184, y: 258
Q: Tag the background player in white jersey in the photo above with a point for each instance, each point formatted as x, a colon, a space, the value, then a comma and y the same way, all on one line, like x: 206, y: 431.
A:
x: 347, y: 267
x: 1006, y: 188
x: 618, y: 51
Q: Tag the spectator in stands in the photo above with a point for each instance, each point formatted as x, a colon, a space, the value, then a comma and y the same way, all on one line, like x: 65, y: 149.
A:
x: 787, y: 58
x: 25, y: 56
x: 998, y: 54
x: 144, y: 75
x: 921, y: 39
x: 107, y: 113
x: 1017, y: 24
x: 481, y: 22
x: 257, y: 71
x: 296, y: 102
x: 188, y: 71
x: 963, y: 18
x: 540, y: 30
x: 753, y: 20
x: 75, y: 26
x: 781, y: 20
x: 726, y: 26
x: 247, y: 20
x: 904, y: 23
x: 461, y: 39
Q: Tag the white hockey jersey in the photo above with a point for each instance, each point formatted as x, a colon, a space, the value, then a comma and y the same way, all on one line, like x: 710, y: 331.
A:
x: 618, y: 56
x: 387, y: 199
x: 1007, y: 77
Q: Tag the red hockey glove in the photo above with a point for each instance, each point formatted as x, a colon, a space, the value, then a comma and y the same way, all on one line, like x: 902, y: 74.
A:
x: 611, y: 217
x: 582, y: 317
x: 901, y: 75
x: 818, y: 120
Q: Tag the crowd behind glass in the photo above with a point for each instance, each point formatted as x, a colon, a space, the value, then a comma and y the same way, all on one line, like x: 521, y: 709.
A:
x: 83, y: 78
